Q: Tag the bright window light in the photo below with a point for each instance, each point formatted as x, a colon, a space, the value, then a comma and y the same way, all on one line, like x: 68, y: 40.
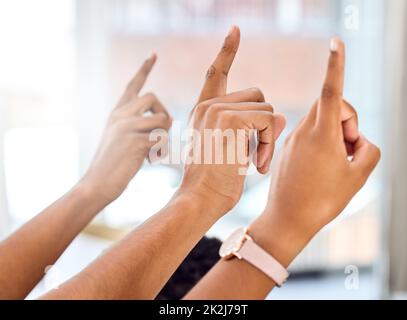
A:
x: 41, y: 165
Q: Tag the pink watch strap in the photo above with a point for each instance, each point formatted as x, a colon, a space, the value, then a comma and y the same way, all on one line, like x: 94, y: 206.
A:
x: 262, y: 260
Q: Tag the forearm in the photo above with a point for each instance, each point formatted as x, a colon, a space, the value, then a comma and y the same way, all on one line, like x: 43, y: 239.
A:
x: 39, y: 243
x: 140, y: 265
x: 237, y: 279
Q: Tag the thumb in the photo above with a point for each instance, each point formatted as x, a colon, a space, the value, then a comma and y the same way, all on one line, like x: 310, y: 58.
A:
x: 264, y: 158
x: 279, y: 125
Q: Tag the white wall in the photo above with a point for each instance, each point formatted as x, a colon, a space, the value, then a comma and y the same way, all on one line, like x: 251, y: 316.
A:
x: 3, y: 198
x: 395, y: 223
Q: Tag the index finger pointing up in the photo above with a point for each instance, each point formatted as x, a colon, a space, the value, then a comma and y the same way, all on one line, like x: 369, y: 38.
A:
x: 216, y: 78
x: 138, y: 81
x: 332, y: 89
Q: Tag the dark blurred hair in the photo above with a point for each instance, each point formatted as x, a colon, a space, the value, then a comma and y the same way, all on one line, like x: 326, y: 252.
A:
x: 199, y: 261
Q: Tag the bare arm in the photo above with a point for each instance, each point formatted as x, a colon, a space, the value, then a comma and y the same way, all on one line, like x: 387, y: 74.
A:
x: 39, y: 243
x: 313, y: 182
x: 140, y: 265
x: 238, y: 280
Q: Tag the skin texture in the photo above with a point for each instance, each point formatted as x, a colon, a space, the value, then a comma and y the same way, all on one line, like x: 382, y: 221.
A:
x: 313, y: 182
x: 125, y: 143
x: 223, y: 183
x: 25, y: 255
x: 140, y: 265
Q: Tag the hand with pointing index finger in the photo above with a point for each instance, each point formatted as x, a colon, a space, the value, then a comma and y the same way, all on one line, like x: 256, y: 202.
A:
x: 217, y: 74
x: 314, y: 179
x: 239, y: 113
x: 125, y: 143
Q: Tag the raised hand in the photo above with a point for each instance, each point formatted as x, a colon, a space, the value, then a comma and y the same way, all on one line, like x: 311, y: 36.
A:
x: 140, y: 265
x: 126, y: 142
x: 217, y: 74
x: 314, y: 179
x: 28, y: 252
x: 312, y: 183
x: 235, y: 114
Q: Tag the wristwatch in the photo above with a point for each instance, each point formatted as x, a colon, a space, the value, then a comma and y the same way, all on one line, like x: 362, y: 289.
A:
x: 240, y: 245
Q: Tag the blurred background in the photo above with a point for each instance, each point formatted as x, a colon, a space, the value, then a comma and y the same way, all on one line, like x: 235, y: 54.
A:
x: 64, y: 64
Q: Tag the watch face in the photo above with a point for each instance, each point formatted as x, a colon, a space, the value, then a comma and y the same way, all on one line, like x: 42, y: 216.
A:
x: 232, y: 244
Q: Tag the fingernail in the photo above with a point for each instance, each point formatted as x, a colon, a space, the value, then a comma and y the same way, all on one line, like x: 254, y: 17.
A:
x: 334, y: 46
x: 261, y: 162
x: 232, y: 28
x: 266, y: 169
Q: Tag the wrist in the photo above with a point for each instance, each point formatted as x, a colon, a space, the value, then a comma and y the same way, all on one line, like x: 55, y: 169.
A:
x: 89, y: 195
x: 279, y: 238
x: 197, y: 203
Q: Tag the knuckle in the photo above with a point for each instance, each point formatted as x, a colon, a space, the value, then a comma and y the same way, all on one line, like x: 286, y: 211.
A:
x: 200, y: 110
x: 164, y: 121
x: 213, y: 111
x: 211, y: 73
x: 223, y: 118
x: 257, y: 94
x: 270, y: 117
x: 215, y: 108
x: 269, y: 108
x: 160, y: 116
x: 328, y: 92
x: 371, y: 162
x: 356, y: 116
x: 351, y: 109
x: 226, y: 118
x: 151, y: 96
x: 227, y: 47
x: 156, y: 120
x: 168, y: 122
x: 376, y: 152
